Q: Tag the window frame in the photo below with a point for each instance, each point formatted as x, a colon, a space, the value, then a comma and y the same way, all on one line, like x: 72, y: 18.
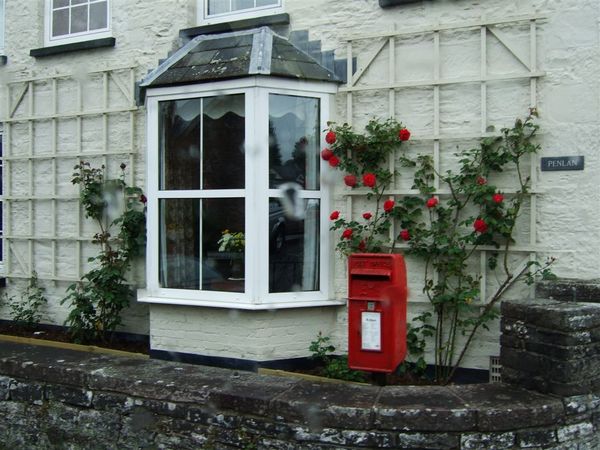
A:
x: 2, y: 26
x: 256, y: 194
x: 50, y: 41
x: 204, y: 19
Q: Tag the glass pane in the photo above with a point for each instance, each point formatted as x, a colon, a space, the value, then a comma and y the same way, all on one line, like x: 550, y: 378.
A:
x: 293, y: 141
x: 60, y: 3
x: 77, y: 2
x: 242, y: 4
x: 223, y: 142
x: 98, y: 16
x: 218, y: 7
x: 294, y: 247
x: 60, y: 22
x: 223, y: 244
x: 179, y: 248
x: 267, y: 3
x: 179, y: 141
x: 79, y: 19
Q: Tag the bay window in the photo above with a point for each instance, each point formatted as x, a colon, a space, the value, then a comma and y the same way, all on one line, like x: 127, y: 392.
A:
x: 237, y: 213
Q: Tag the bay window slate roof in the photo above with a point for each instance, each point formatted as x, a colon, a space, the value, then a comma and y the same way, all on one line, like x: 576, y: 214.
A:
x: 234, y: 55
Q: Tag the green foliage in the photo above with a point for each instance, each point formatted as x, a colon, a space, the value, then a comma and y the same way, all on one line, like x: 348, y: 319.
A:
x: 370, y: 152
x: 26, y: 310
x: 446, y: 230
x: 333, y: 366
x: 97, y: 300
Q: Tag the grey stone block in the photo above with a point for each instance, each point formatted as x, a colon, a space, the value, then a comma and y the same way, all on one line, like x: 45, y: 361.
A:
x: 536, y: 438
x: 5, y: 383
x: 69, y: 395
x: 428, y: 440
x: 27, y: 392
x: 481, y: 441
x: 554, y: 315
x: 423, y: 408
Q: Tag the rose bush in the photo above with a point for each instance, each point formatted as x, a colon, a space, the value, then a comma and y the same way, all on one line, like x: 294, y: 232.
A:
x: 442, y: 226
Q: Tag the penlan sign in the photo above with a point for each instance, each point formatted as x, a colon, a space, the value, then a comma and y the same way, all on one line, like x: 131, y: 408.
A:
x: 556, y: 163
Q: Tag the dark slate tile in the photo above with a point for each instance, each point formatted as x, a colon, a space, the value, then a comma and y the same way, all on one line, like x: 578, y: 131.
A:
x: 502, y: 407
x: 225, y: 42
x: 422, y: 408
x: 171, y: 76
x: 194, y: 59
x: 319, y: 405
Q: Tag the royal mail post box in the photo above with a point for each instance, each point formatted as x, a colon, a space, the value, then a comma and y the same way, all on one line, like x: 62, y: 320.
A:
x: 376, y: 311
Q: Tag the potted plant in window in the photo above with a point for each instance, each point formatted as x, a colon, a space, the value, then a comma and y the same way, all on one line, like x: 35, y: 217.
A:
x: 234, y: 243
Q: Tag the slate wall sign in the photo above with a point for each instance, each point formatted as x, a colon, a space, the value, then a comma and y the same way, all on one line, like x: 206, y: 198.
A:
x: 555, y: 163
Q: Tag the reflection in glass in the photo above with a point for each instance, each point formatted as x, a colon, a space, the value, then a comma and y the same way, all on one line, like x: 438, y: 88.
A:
x: 216, y: 259
x: 98, y: 16
x: 179, y: 146
x: 79, y: 19
x: 294, y: 248
x: 223, y: 142
x: 60, y: 22
x: 293, y: 141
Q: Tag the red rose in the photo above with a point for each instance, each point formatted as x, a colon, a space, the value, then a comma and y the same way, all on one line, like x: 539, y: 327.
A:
x: 498, y: 198
x: 404, y: 134
x: 432, y: 202
x: 334, y: 215
x: 362, y: 246
x: 480, y: 225
x: 369, y: 179
x: 350, y: 180
x: 367, y: 215
x: 330, y: 137
x: 405, y: 235
x: 143, y: 199
x: 481, y: 181
x: 347, y: 234
x: 326, y: 154
x: 388, y: 205
x: 334, y: 161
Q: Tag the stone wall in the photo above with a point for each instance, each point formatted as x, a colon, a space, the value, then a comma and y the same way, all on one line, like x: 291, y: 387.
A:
x: 64, y: 399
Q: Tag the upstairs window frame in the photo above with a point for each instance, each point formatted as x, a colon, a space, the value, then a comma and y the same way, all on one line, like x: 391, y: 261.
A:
x: 204, y: 18
x: 73, y: 37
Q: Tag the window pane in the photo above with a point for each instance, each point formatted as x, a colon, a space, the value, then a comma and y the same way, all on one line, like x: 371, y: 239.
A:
x: 98, y: 16
x: 242, y: 4
x: 60, y: 3
x: 218, y: 7
x: 179, y: 249
x: 179, y: 125
x: 77, y: 2
x: 223, y: 244
x: 267, y: 3
x: 294, y: 247
x: 212, y: 251
x: 79, y: 19
x: 60, y: 22
x: 293, y: 141
x: 223, y: 142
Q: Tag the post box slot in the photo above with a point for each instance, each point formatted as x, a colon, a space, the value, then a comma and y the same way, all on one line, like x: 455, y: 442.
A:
x: 364, y: 273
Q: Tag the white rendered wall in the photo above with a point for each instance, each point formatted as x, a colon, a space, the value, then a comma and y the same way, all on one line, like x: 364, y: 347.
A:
x: 568, y: 226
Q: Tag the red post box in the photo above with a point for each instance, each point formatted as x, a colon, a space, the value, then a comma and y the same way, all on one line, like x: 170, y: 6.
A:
x: 376, y: 311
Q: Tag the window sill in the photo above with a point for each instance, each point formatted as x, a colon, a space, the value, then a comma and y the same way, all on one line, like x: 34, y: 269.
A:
x: 73, y: 47
x: 244, y: 24
x: 3, y: 60
x: 144, y: 298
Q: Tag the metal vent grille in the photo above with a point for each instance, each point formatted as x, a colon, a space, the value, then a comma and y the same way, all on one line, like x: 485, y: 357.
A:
x: 495, y: 369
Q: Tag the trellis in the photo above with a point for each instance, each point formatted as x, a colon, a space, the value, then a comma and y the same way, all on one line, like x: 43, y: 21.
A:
x: 379, y: 41
x: 24, y: 107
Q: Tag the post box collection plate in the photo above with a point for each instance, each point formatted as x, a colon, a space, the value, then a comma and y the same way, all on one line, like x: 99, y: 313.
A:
x: 371, y: 331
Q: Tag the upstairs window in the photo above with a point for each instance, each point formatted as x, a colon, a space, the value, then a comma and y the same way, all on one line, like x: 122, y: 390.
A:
x: 215, y: 11
x: 76, y: 20
x: 1, y: 27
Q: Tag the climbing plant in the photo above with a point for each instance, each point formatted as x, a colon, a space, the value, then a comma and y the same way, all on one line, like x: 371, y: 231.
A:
x: 444, y: 231
x: 119, y: 211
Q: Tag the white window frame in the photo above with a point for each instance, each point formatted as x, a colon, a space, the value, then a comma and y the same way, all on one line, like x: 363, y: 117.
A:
x: 2, y: 26
x: 4, y: 249
x: 50, y: 41
x: 204, y: 19
x: 256, y: 194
